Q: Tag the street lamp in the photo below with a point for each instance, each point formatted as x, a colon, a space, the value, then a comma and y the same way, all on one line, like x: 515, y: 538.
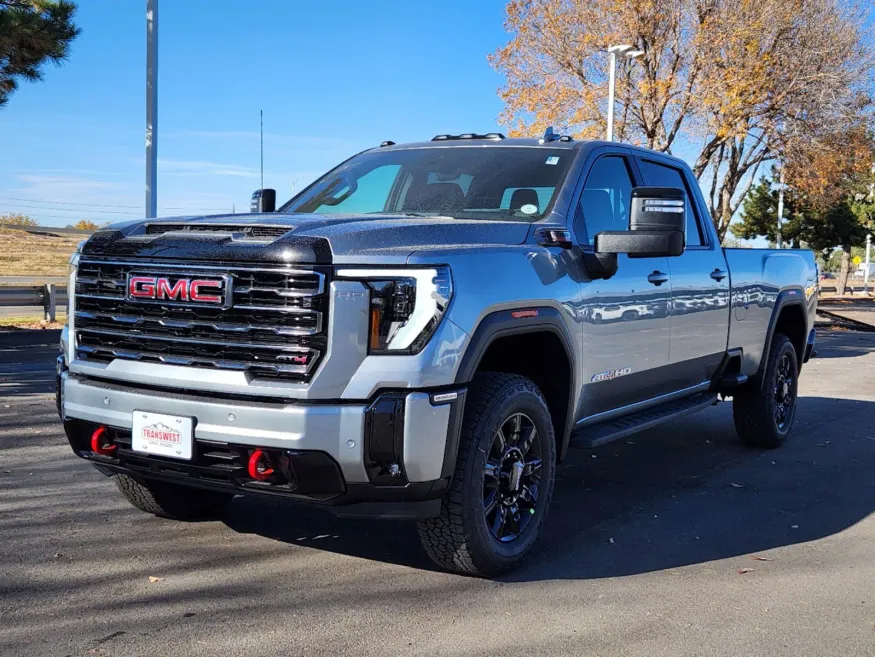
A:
x: 151, y: 108
x: 627, y: 51
x: 866, y: 271
x: 781, y: 187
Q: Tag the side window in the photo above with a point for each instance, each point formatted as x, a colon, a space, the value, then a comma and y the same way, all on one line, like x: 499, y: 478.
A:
x: 368, y: 192
x: 659, y: 175
x: 604, y: 203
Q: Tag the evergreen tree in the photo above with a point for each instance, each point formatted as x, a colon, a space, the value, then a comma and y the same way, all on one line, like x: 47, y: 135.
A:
x: 31, y: 32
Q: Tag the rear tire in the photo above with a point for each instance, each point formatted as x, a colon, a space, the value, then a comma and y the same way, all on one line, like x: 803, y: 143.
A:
x: 170, y: 500
x: 503, y: 481
x: 765, y: 408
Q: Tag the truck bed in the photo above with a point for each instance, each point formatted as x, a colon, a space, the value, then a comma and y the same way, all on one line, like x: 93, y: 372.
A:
x: 758, y: 277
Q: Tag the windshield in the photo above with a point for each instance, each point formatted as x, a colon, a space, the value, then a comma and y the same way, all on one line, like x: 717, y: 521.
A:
x: 471, y: 182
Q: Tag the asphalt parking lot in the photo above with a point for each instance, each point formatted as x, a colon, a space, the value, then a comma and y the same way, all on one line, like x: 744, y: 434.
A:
x: 676, y: 542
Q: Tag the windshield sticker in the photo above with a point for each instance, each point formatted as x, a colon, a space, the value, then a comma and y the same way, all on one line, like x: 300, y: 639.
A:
x: 528, y: 208
x: 553, y: 159
x: 613, y: 374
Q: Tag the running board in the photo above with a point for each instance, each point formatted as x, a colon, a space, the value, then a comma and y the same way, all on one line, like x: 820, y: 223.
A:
x: 605, y: 432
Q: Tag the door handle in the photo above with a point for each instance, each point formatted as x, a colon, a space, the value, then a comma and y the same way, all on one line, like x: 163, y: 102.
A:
x: 718, y: 274
x: 657, y: 278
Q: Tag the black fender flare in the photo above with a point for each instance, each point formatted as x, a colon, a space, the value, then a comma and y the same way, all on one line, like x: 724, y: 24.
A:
x: 794, y: 296
x: 502, y: 324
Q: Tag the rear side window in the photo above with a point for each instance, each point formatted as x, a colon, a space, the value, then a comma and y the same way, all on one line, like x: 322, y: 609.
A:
x: 660, y: 175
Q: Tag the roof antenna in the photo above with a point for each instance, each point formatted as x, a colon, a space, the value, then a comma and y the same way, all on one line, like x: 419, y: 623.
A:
x: 549, y: 136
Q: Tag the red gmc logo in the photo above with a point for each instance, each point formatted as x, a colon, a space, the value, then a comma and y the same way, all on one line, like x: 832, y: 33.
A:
x: 142, y: 287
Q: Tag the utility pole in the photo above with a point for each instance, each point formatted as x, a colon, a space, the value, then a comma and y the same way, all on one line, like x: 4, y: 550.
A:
x: 780, y: 205
x: 151, y: 108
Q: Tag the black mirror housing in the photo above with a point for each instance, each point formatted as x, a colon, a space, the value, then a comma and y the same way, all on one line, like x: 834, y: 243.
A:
x: 657, y: 228
x: 657, y: 225
x: 263, y: 200
x: 641, y: 243
x: 658, y: 209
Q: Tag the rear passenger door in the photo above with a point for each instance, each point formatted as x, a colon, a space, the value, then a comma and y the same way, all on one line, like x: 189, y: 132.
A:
x: 624, y: 320
x: 699, y: 284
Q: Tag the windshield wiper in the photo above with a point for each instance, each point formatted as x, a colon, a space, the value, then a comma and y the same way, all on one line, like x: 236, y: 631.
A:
x: 409, y: 214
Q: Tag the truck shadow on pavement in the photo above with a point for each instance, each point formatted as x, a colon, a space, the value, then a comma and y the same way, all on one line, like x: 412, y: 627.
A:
x: 27, y: 361
x: 839, y: 343
x: 683, y: 494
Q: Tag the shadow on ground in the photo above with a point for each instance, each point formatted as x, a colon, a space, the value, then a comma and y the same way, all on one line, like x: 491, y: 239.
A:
x: 724, y: 500
x: 27, y: 361
x: 843, y: 343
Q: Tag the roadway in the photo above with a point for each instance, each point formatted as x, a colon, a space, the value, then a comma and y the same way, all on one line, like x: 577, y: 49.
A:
x: 677, y: 541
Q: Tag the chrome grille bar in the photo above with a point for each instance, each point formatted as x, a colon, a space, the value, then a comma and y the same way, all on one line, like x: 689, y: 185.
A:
x: 274, y: 324
x: 139, y: 320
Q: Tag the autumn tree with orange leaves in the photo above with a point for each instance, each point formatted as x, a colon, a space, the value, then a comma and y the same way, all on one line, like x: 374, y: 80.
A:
x: 728, y: 84
x: 829, y: 201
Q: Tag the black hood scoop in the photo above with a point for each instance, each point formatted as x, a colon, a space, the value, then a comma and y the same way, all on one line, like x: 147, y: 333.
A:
x: 186, y: 241
x: 263, y: 232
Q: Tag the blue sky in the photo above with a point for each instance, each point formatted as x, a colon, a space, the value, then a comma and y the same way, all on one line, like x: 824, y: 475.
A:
x: 332, y: 77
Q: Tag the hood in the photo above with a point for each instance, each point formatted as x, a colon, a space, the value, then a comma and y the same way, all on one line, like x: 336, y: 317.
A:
x: 296, y: 238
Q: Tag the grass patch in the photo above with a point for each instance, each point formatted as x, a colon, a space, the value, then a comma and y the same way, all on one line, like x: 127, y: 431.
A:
x: 34, y: 321
x: 26, y: 254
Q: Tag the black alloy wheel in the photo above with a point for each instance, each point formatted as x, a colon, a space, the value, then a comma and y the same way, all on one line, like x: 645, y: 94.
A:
x: 512, y: 477
x: 785, y: 392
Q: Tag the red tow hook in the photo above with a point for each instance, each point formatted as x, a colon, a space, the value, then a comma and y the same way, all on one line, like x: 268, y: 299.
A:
x: 259, y: 466
x: 98, y: 446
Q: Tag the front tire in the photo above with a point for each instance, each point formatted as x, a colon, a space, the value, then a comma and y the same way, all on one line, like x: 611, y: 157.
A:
x: 170, y: 500
x: 765, y: 408
x: 503, y: 481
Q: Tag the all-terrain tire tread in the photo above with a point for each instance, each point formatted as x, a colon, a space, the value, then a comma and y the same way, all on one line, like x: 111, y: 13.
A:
x: 156, y: 498
x: 752, y: 408
x: 443, y: 537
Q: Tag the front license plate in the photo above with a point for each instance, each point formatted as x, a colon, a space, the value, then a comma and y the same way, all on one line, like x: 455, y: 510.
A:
x: 162, y: 435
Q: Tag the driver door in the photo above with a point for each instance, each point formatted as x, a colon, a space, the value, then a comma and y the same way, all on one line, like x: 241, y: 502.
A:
x: 626, y: 325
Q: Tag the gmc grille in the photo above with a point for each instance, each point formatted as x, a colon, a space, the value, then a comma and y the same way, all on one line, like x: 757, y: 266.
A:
x: 275, y: 326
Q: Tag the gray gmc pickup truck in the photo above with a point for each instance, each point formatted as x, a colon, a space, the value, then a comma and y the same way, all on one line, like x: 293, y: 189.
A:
x: 423, y: 333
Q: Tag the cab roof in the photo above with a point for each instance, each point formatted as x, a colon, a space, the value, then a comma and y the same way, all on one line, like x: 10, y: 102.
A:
x: 550, y: 140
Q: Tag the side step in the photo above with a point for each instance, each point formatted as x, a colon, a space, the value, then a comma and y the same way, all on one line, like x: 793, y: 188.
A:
x: 605, y: 432
x: 732, y: 380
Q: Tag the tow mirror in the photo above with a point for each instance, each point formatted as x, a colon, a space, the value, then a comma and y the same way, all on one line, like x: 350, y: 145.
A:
x: 263, y: 200
x: 658, y: 209
x: 657, y: 226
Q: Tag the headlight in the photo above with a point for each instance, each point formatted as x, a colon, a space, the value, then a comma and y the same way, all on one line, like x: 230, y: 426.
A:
x: 74, y: 259
x: 406, y: 306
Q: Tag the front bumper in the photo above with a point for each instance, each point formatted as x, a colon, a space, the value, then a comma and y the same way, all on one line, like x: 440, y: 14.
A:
x: 339, y: 453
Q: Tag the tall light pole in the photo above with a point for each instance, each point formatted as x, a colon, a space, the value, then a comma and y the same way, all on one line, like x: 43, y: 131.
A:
x: 780, y: 206
x: 261, y: 115
x: 151, y: 108
x: 866, y: 272
x: 627, y: 51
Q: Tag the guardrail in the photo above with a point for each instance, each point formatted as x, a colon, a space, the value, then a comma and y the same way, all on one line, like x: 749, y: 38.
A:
x: 48, y: 297
x: 849, y: 288
x: 52, y: 230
